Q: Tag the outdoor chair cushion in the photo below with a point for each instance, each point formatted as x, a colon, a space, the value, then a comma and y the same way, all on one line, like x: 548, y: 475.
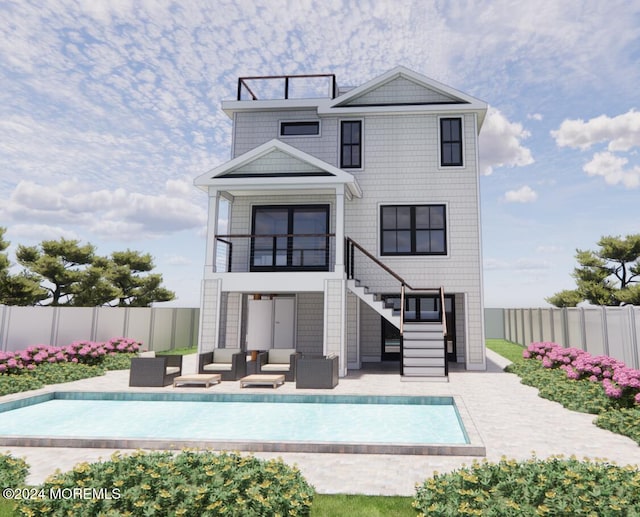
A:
x: 280, y: 355
x: 148, y: 353
x: 276, y: 367
x: 224, y: 355
x: 217, y: 367
x: 171, y: 369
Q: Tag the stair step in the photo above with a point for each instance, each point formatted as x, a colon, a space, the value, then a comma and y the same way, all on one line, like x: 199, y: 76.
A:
x: 424, y: 371
x: 423, y: 345
x: 429, y: 336
x: 423, y: 361
x: 424, y: 352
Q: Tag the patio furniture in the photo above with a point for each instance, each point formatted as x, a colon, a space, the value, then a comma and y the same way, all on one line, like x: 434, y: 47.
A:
x: 230, y: 363
x: 151, y: 370
x: 278, y: 360
x: 317, y: 372
x: 203, y: 379
x: 262, y: 380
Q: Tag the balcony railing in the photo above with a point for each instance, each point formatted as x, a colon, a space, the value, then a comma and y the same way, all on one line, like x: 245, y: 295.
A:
x: 242, y: 253
x: 276, y: 87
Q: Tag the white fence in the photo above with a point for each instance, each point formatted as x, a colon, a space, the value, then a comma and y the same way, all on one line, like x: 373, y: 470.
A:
x: 157, y: 328
x: 612, y: 331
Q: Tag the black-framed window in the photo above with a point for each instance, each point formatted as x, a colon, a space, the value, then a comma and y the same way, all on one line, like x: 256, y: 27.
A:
x: 290, y: 237
x: 351, y: 144
x: 450, y: 142
x: 413, y: 230
x: 304, y: 128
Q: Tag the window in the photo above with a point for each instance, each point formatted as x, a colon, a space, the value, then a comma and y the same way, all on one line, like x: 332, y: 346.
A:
x: 294, y: 238
x: 299, y: 128
x: 413, y: 230
x: 351, y: 144
x: 450, y: 142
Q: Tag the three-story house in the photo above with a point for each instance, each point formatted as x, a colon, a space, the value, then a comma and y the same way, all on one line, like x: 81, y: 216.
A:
x: 347, y: 222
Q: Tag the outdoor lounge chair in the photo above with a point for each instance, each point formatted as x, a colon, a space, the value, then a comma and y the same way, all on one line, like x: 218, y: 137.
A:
x: 317, y: 372
x: 279, y: 360
x: 230, y: 363
x: 149, y: 370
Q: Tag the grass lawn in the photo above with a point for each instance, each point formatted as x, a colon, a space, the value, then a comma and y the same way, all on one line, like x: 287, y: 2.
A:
x: 7, y: 508
x: 180, y: 351
x: 361, y: 506
x: 506, y: 349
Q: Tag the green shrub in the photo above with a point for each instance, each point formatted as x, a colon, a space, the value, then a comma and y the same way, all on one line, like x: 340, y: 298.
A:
x: 188, y: 484
x: 624, y: 421
x: 554, y: 487
x: 553, y: 384
x: 13, y: 471
x: 18, y: 383
x: 117, y: 362
x: 56, y: 373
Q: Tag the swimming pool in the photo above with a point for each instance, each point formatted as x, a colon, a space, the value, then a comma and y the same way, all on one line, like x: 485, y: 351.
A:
x: 256, y: 422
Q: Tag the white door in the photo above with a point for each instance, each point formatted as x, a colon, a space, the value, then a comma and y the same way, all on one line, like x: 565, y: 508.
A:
x: 284, y: 322
x: 259, y: 324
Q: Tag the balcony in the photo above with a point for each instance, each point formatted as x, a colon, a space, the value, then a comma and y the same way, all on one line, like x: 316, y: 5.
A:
x: 284, y: 87
x: 287, y: 252
x: 275, y: 262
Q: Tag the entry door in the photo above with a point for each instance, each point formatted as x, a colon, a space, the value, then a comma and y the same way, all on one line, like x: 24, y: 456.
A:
x: 284, y: 322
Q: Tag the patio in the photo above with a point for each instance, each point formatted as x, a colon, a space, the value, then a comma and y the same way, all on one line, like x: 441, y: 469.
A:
x: 511, y: 419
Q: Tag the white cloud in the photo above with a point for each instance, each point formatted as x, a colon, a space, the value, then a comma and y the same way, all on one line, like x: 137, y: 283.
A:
x: 621, y: 135
x: 612, y: 169
x: 535, y: 116
x: 501, y: 143
x: 524, y: 194
x: 109, y: 213
x: 621, y: 132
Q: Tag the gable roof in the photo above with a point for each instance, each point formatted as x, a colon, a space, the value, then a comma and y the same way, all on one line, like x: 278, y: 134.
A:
x: 277, y: 163
x: 401, y: 89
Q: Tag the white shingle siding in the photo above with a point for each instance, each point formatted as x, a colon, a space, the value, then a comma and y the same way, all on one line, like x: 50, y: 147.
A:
x: 276, y: 162
x: 400, y: 91
x: 254, y: 129
x: 310, y: 319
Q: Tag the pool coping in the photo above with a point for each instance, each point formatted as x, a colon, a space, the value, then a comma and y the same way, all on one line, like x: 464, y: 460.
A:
x: 474, y: 447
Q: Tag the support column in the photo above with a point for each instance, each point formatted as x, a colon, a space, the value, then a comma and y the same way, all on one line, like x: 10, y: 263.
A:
x: 339, y: 231
x: 212, y: 230
x: 334, y: 337
x: 209, y: 316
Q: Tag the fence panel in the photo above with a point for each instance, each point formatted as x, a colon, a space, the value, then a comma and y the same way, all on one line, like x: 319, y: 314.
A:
x: 594, y: 331
x: 612, y: 331
x: 110, y: 322
x: 157, y: 328
x: 25, y: 326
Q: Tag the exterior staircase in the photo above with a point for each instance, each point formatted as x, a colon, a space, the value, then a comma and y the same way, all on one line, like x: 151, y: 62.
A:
x: 423, y: 348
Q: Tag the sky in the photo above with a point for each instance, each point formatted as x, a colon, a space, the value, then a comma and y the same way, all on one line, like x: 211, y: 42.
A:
x: 109, y: 109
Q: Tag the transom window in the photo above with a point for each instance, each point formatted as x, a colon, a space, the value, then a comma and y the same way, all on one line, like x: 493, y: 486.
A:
x: 351, y: 144
x: 450, y: 142
x: 305, y: 128
x: 290, y: 237
x: 413, y: 230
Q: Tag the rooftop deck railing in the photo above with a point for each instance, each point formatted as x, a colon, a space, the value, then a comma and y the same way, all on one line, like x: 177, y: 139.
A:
x: 272, y: 87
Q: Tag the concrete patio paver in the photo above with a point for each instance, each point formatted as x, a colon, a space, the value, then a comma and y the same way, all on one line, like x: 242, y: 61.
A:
x: 511, y: 419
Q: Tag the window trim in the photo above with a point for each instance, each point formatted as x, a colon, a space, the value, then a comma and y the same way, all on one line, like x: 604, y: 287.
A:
x: 299, y: 123
x: 290, y: 210
x: 441, y: 143
x: 340, y: 144
x: 413, y: 229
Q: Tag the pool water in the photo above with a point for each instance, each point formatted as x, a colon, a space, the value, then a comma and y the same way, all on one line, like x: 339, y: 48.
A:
x: 396, y: 421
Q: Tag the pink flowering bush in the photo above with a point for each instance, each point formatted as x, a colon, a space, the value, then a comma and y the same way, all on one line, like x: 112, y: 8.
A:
x: 83, y: 352
x: 618, y: 381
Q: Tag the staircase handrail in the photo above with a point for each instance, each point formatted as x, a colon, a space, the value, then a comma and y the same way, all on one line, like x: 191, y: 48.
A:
x: 349, y: 256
